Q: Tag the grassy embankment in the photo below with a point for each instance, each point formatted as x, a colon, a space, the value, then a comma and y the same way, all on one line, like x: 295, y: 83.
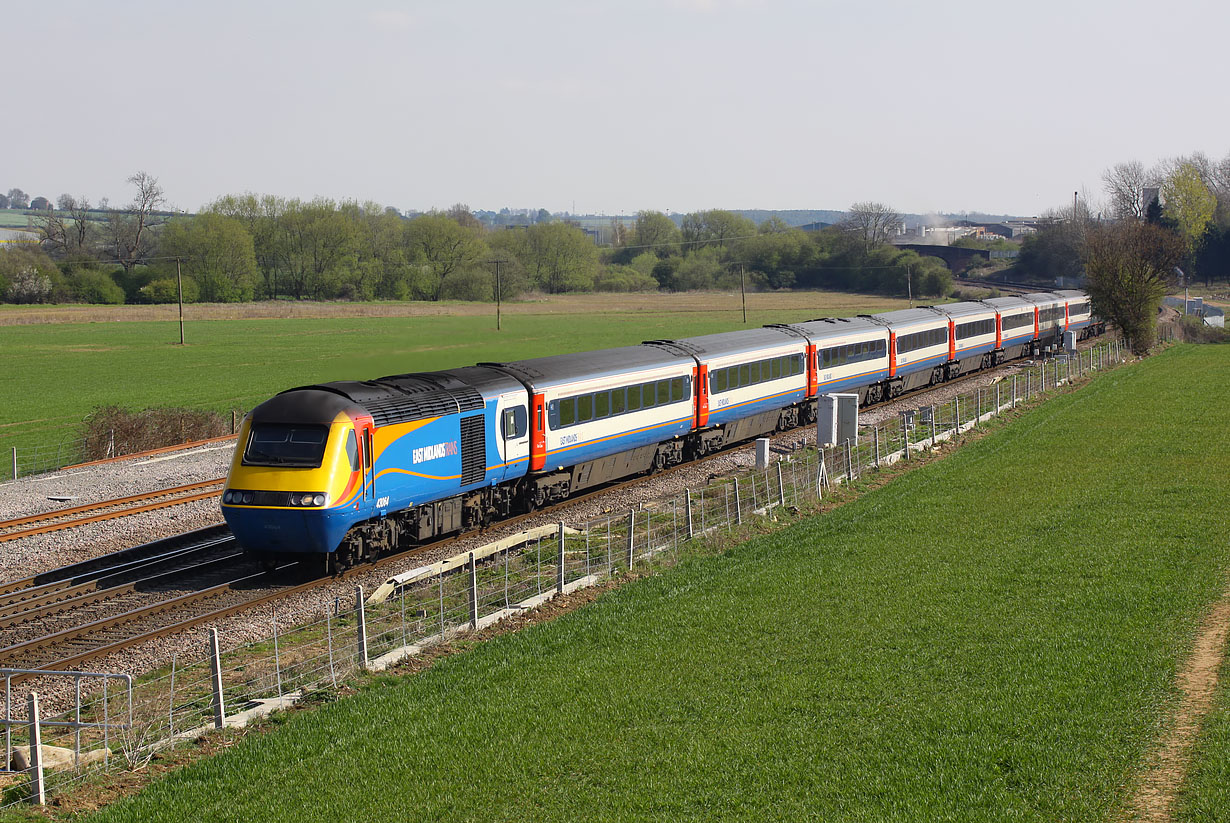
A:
x: 994, y: 636
x: 55, y: 372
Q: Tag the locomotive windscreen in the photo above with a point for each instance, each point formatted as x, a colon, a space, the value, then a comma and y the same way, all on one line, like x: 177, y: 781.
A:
x: 275, y: 444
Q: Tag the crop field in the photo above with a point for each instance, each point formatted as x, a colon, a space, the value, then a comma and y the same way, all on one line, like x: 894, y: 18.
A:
x: 994, y: 636
x: 56, y: 372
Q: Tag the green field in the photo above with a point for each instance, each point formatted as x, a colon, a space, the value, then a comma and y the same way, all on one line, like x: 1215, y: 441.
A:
x: 992, y: 637
x: 55, y: 373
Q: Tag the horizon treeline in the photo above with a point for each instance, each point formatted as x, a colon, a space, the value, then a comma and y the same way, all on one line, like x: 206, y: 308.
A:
x: 263, y: 247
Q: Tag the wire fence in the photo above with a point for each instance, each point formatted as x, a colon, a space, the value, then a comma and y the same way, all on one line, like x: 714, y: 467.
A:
x: 227, y: 686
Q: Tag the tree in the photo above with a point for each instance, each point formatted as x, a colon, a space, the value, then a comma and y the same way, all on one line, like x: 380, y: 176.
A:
x: 68, y: 230
x: 442, y: 247
x: 461, y: 213
x: 18, y: 199
x: 654, y: 232
x: 4, y: 201
x: 871, y: 223
x: 1124, y: 184
x: 1189, y: 203
x: 128, y: 230
x: 557, y: 257
x: 217, y: 252
x: 1128, y: 270
x: 715, y: 227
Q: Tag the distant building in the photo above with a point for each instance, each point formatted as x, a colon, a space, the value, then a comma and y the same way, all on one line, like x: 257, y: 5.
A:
x: 815, y: 226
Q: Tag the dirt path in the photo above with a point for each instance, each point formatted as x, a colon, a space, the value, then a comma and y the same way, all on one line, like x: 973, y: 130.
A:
x: 1155, y: 795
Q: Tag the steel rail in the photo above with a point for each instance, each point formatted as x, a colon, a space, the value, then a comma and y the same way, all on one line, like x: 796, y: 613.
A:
x: 115, y: 561
x: 104, y: 504
x: 99, y: 518
x: 96, y: 591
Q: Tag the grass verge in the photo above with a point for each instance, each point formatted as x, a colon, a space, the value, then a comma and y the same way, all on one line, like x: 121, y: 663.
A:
x: 994, y: 636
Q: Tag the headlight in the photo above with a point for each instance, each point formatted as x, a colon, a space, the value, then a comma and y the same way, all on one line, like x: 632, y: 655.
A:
x: 319, y: 500
x: 247, y: 497
x: 226, y: 497
x: 306, y: 500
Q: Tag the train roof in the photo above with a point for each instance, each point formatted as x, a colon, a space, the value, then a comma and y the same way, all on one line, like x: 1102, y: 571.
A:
x: 1071, y: 293
x: 903, y: 318
x: 827, y: 327
x: 543, y: 372
x: 1005, y: 304
x: 1043, y: 297
x: 732, y: 342
x: 966, y: 309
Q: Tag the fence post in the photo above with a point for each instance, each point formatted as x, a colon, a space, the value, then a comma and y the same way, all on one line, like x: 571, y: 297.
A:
x: 38, y: 790
x: 822, y: 476
x: 362, y: 628
x: 849, y: 464
x: 559, y: 574
x: 1028, y: 384
x: 277, y: 659
x: 215, y: 659
x: 14, y: 462
x: 473, y: 593
x: 875, y: 436
x: 1014, y: 391
x: 691, y: 531
x: 978, y: 409
x: 738, y: 508
x: 631, y: 536
x: 932, y: 427
x: 956, y: 414
x: 781, y: 485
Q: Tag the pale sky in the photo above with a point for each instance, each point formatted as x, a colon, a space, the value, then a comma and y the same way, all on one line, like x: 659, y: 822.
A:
x: 614, y: 106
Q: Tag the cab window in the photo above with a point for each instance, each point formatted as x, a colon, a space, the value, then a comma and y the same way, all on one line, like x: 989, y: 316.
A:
x: 275, y: 444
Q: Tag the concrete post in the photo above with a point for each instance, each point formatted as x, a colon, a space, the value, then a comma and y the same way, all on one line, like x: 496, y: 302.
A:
x: 875, y: 436
x: 631, y: 535
x: 473, y: 564
x: 762, y: 453
x: 362, y: 630
x: 38, y: 790
x: 688, y: 492
x: 738, y: 507
x: 1014, y: 391
x: 215, y: 659
x: 559, y: 579
x: 781, y: 486
x: 933, y: 427
x: 849, y: 464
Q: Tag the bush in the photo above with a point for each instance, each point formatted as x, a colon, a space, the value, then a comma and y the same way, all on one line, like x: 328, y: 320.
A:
x: 469, y: 284
x: 111, y: 430
x: 166, y: 290
x: 94, y: 287
x: 27, y: 275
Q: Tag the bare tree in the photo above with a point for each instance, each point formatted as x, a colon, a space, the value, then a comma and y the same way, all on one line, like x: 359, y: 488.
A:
x: 1124, y: 184
x: 128, y: 230
x: 66, y: 230
x: 871, y: 223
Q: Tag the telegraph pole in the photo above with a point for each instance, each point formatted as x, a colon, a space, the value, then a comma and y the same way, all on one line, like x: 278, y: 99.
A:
x: 743, y: 293
x: 497, y: 293
x: 179, y: 277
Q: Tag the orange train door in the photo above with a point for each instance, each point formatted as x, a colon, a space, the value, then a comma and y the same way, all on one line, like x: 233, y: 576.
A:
x: 701, y: 376
x: 538, y: 438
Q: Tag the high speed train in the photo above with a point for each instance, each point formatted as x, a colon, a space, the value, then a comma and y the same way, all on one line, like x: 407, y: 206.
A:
x: 349, y: 470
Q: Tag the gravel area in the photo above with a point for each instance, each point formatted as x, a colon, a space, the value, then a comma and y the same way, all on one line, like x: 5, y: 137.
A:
x: 92, y: 484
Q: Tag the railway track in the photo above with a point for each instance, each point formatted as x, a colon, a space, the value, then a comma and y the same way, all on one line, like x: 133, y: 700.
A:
x: 104, y: 583
x: 107, y: 510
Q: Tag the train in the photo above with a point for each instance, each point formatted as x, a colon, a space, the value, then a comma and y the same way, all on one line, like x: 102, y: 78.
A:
x: 349, y: 470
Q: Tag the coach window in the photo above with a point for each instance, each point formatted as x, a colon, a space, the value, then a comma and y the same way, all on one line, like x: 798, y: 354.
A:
x: 719, y: 381
x: 677, y: 390
x: 648, y: 395
x: 585, y: 408
x: 777, y: 368
x: 617, y: 400
x: 664, y: 392
x: 568, y: 411
x: 634, y: 398
x: 602, y: 405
